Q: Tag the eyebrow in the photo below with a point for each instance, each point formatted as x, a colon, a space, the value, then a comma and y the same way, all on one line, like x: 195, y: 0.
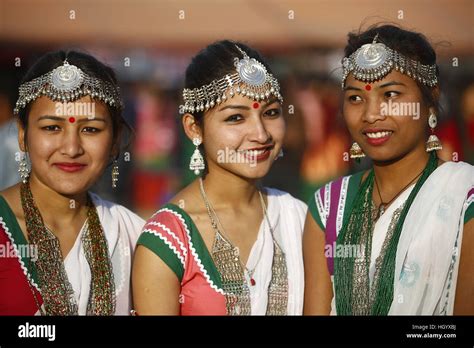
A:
x: 62, y: 119
x: 245, y: 107
x: 387, y: 84
x: 392, y: 83
x: 351, y: 88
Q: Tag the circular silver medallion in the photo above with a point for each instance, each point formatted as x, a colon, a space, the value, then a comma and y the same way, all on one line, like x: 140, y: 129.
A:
x: 371, y: 56
x: 251, y: 71
x: 67, y: 77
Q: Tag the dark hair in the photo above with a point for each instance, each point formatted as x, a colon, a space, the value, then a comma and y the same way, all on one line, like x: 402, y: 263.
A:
x: 214, y: 62
x: 411, y: 44
x: 90, y: 66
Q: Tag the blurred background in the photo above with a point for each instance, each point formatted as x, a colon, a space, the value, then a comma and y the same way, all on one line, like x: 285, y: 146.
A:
x: 150, y: 42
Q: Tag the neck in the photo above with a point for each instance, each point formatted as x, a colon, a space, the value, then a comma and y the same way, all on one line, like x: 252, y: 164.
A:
x: 394, y: 175
x: 227, y: 189
x: 55, y: 207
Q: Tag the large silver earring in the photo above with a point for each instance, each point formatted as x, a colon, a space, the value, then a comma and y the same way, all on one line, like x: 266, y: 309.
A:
x: 433, y: 142
x: 197, y: 161
x: 356, y: 151
x: 23, y: 169
x: 115, y: 174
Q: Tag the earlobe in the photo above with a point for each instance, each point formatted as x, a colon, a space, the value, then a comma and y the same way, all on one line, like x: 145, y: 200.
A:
x: 115, y: 151
x: 435, y: 99
x: 431, y: 111
x: 436, y: 93
x: 114, y: 155
x: 191, y: 128
x: 21, y: 137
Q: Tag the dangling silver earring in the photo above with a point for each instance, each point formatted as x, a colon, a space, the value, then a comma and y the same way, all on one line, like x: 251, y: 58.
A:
x: 115, y: 174
x: 433, y: 142
x: 197, y: 161
x: 23, y: 170
x: 356, y: 151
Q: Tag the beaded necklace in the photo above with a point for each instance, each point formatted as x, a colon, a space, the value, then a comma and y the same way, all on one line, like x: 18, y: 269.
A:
x: 232, y: 270
x: 353, y: 292
x: 55, y: 288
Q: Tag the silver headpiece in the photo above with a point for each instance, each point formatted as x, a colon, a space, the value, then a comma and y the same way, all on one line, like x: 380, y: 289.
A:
x: 67, y: 83
x: 251, y: 80
x: 373, y: 61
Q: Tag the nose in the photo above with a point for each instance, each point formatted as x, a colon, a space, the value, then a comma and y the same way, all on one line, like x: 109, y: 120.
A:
x: 259, y: 133
x: 71, y: 144
x: 372, y: 112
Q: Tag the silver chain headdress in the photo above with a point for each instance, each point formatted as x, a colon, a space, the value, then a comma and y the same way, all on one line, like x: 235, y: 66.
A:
x: 67, y: 83
x: 373, y: 61
x: 251, y: 80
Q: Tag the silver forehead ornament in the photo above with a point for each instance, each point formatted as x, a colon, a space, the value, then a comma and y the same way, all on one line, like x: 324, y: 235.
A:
x: 67, y: 83
x: 251, y: 80
x: 67, y: 77
x: 373, y: 61
x: 251, y: 71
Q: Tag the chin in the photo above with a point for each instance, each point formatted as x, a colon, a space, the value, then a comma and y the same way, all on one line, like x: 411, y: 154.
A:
x: 383, y: 156
x: 69, y: 188
x: 254, y: 173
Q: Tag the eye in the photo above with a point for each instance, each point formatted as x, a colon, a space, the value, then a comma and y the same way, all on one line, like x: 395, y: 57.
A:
x: 91, y: 130
x: 391, y: 94
x: 273, y: 112
x: 52, y: 128
x: 234, y: 118
x: 354, y: 98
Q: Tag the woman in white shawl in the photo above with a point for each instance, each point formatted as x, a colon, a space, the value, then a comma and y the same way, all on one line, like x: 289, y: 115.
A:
x: 397, y: 239
x: 66, y: 251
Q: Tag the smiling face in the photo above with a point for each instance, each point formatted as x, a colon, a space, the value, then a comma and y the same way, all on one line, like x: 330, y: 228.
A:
x: 241, y: 136
x: 68, y: 151
x: 387, y: 118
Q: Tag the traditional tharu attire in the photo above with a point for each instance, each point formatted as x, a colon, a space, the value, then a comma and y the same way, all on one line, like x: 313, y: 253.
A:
x: 403, y: 259
x: 212, y: 287
x: 20, y: 291
x: 428, y: 252
x: 94, y: 277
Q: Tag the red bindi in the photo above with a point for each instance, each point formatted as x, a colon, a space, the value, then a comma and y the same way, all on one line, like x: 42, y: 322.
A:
x: 256, y: 105
x: 368, y: 87
x: 72, y: 119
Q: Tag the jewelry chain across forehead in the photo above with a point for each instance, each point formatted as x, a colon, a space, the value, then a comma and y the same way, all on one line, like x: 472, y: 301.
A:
x: 251, y: 80
x: 373, y: 61
x: 67, y: 83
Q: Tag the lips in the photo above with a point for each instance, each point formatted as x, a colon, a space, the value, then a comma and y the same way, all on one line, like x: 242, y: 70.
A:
x: 377, y: 136
x: 257, y: 154
x: 70, y: 167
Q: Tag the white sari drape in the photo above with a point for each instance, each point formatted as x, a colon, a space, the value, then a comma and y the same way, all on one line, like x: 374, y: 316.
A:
x: 429, y: 248
x: 287, y: 217
x: 428, y: 252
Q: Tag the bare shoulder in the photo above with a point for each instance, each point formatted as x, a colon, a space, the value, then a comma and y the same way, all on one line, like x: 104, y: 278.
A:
x: 189, y: 199
x: 469, y: 228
